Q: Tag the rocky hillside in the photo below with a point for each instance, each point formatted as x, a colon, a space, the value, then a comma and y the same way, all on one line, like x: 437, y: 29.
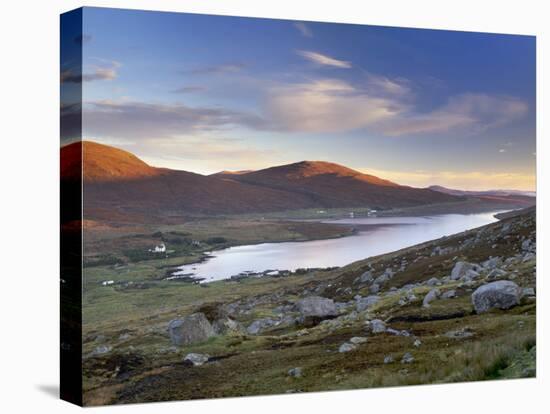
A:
x: 460, y: 308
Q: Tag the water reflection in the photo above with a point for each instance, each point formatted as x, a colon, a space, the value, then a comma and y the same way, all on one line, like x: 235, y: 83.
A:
x: 376, y: 235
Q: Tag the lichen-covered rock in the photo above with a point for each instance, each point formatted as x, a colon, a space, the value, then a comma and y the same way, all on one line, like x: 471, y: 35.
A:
x: 260, y: 325
x: 363, y: 304
x: 461, y: 268
x: 316, y: 306
x: 376, y: 326
x: 502, y: 294
x: 196, y: 359
x: 346, y: 347
x: 430, y: 297
x: 223, y: 326
x: 191, y: 329
x: 358, y: 340
x: 295, y: 372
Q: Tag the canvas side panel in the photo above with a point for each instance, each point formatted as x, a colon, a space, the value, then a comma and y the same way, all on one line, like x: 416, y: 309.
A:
x: 71, y: 206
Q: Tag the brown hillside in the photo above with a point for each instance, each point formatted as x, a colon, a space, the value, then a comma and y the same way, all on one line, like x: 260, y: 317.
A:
x: 119, y: 186
x: 102, y: 163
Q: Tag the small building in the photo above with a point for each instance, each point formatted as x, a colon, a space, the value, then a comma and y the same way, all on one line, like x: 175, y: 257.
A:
x: 161, y: 248
x: 352, y: 215
x: 107, y: 282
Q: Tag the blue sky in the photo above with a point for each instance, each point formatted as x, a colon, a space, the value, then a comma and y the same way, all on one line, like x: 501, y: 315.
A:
x: 209, y: 93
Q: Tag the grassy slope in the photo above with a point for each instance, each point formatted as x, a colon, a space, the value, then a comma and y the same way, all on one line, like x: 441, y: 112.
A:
x: 143, y: 367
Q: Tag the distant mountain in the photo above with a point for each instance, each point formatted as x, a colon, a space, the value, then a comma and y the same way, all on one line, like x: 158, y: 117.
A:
x: 331, y: 185
x: 495, y: 193
x: 120, y: 186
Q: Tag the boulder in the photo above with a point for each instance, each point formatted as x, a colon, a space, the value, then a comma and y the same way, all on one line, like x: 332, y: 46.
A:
x: 449, y: 294
x: 461, y: 268
x: 358, y: 340
x: 223, y: 326
x: 191, y: 329
x: 363, y: 304
x: 196, y: 359
x: 366, y: 277
x: 528, y: 291
x: 375, y: 288
x: 434, y: 281
x: 388, y: 359
x: 502, y: 294
x: 347, y: 347
x: 377, y: 326
x: 430, y: 297
x: 407, y: 358
x: 260, y: 325
x: 295, y: 372
x: 316, y: 306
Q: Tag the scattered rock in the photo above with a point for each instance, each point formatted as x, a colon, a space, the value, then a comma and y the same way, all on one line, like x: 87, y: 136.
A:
x: 450, y: 294
x: 407, y: 358
x: 376, y: 326
x: 260, y: 325
x: 502, y: 294
x: 460, y: 333
x: 363, y: 304
x: 375, y: 288
x: 396, y: 332
x: 417, y: 343
x: 433, y: 281
x: 388, y: 359
x: 316, y: 306
x: 102, y: 349
x: 223, y: 326
x: 191, y: 329
x: 430, y: 297
x: 358, y: 340
x: 528, y: 291
x: 460, y: 269
x: 347, y: 347
x: 295, y: 372
x: 196, y: 359
x: 366, y: 277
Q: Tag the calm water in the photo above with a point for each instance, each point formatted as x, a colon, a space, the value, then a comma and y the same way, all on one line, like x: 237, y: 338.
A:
x: 378, y: 235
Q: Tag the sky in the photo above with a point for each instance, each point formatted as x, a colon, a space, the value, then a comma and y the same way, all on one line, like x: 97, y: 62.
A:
x: 209, y: 93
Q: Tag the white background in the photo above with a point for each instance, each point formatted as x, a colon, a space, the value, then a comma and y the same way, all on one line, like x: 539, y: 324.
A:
x: 29, y: 152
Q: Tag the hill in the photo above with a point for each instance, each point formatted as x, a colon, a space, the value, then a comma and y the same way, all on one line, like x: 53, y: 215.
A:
x: 120, y: 186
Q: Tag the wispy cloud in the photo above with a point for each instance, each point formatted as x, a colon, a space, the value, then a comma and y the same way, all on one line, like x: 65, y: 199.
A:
x: 303, y: 29
x: 106, y: 70
x: 132, y: 119
x: 190, y: 89
x: 323, y: 60
x: 327, y: 105
x: 218, y: 69
x: 475, y: 112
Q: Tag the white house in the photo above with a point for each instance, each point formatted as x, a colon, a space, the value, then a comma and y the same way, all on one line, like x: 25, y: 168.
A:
x: 161, y: 248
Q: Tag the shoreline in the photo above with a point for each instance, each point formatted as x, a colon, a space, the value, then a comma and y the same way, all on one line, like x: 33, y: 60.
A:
x: 356, y: 230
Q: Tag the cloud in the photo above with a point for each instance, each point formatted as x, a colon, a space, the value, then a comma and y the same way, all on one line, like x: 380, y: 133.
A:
x: 468, y: 111
x: 323, y: 60
x: 303, y: 29
x: 217, y: 69
x: 132, y: 119
x: 107, y: 70
x: 502, y: 150
x: 327, y: 105
x: 382, y: 85
x: 190, y: 89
